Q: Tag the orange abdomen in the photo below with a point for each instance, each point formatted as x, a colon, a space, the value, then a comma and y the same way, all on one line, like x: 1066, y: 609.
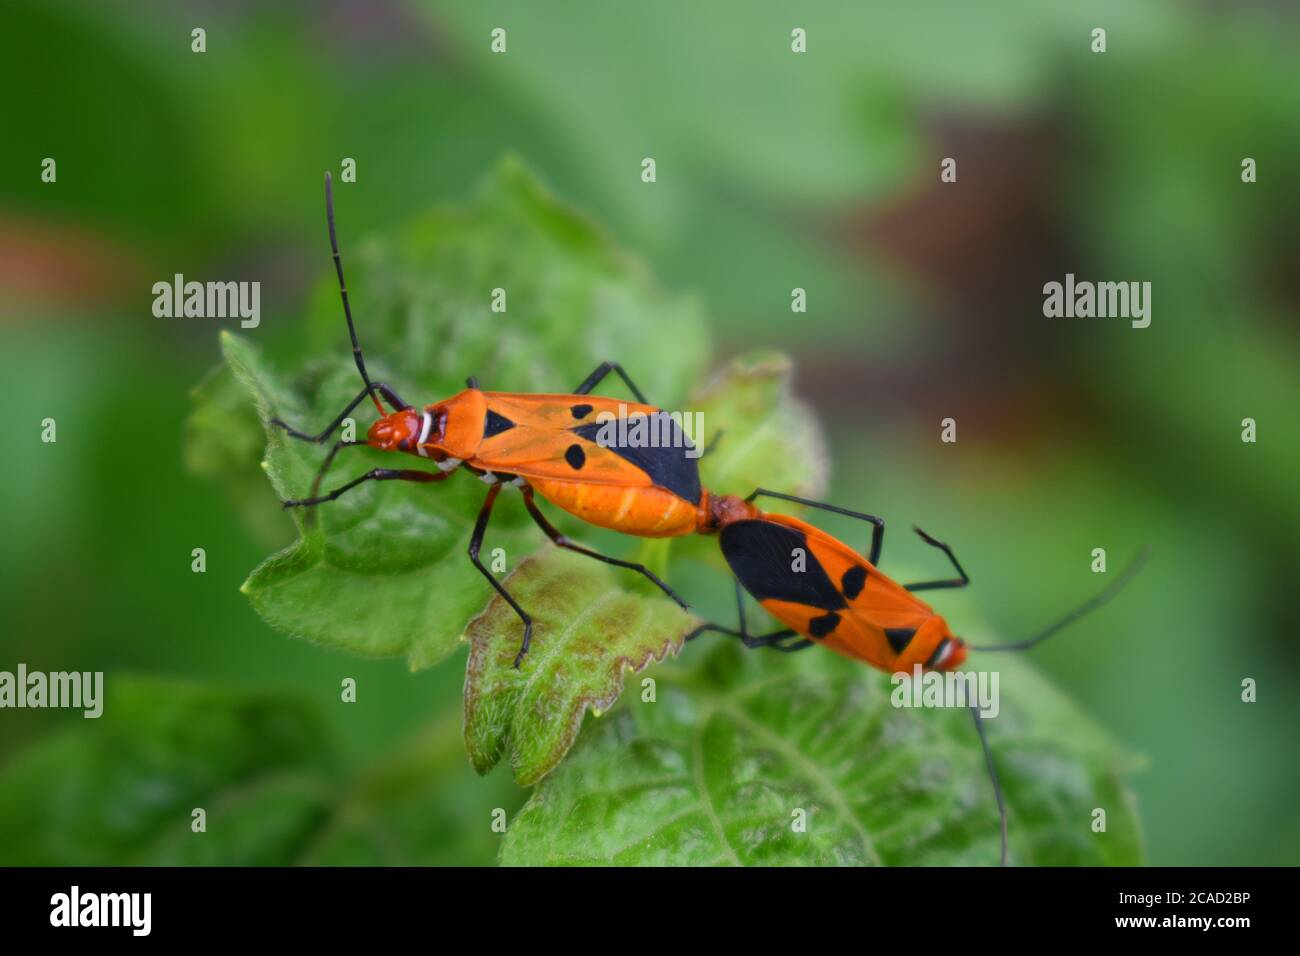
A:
x: 647, y: 512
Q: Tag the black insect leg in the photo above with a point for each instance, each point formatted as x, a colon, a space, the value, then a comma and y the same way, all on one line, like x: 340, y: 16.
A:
x: 769, y: 640
x: 712, y: 446
x: 878, y: 524
x: 389, y: 396
x: 555, y: 535
x: 772, y: 640
x: 475, y: 545
x: 603, y: 369
x: 375, y: 474
x: 993, y: 777
x: 960, y: 582
x: 325, y: 465
x: 321, y: 471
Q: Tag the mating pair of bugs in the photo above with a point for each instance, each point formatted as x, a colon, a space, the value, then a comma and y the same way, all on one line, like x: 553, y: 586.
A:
x: 557, y: 446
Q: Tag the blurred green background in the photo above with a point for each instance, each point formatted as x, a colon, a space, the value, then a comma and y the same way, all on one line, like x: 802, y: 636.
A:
x: 775, y: 171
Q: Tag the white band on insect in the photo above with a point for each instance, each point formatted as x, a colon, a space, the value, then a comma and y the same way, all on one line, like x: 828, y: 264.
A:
x: 424, y: 433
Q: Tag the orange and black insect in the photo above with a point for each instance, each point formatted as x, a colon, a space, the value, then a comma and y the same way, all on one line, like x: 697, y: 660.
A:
x: 555, y: 445
x: 841, y: 600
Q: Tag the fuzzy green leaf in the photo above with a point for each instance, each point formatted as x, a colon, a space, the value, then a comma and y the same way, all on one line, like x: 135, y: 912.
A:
x: 225, y: 441
x: 766, y: 436
x: 589, y: 631
x: 732, y: 754
x: 382, y: 570
x: 758, y: 433
x: 121, y: 789
x: 422, y: 300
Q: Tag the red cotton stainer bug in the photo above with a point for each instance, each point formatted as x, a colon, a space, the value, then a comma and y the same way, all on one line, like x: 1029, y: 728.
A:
x: 840, y: 600
x: 556, y: 445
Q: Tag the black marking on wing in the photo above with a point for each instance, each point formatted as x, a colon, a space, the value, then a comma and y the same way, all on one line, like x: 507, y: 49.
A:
x: 575, y: 456
x: 496, y: 424
x: 667, y: 465
x: 899, y: 637
x: 759, y: 553
x: 821, y: 626
x: 853, y: 581
x: 580, y: 411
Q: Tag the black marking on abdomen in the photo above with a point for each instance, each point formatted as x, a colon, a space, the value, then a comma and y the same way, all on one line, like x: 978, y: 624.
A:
x: 666, y: 464
x: 821, y: 626
x: 575, y: 456
x: 760, y: 555
x: 853, y: 581
x: 496, y: 424
x: 899, y: 637
x: 580, y: 411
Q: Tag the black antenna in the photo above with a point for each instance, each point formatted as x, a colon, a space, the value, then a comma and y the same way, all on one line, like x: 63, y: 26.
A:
x: 343, y: 292
x: 1086, y: 607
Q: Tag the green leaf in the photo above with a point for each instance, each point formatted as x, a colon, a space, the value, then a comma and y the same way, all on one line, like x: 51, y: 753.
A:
x: 225, y: 441
x: 766, y: 436
x: 758, y: 433
x: 422, y: 301
x: 589, y: 631
x: 718, y: 769
x: 418, y: 806
x: 121, y: 789
x: 382, y: 571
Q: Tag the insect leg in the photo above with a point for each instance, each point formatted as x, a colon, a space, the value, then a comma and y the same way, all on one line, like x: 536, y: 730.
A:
x: 475, y: 545
x: 772, y: 640
x: 960, y: 582
x: 712, y: 446
x: 993, y: 777
x: 554, y: 534
x: 324, y: 467
x: 878, y: 524
x: 775, y: 641
x: 769, y: 640
x: 375, y: 474
x: 603, y: 369
x: 389, y: 396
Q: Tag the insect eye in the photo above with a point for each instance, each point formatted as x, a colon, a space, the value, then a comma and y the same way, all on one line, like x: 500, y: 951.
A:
x: 404, y: 444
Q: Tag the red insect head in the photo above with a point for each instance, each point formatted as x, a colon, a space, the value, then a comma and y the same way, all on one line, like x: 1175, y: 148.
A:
x: 398, y: 431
